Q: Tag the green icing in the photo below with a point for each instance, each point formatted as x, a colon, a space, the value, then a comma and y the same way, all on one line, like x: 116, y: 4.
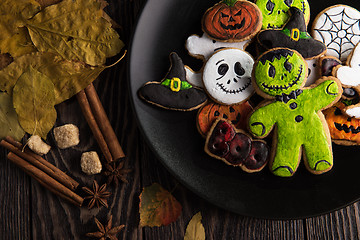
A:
x: 230, y: 3
x: 275, y: 12
x: 298, y: 123
x: 184, y: 85
x: 292, y: 135
x: 349, y: 102
x: 284, y: 81
x: 303, y: 35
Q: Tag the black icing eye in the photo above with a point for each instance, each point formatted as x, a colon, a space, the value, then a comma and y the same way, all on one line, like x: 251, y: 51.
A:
x: 224, y: 15
x: 238, y: 13
x: 239, y: 70
x: 288, y: 66
x: 288, y: 2
x: 270, y: 6
x: 214, y: 41
x: 272, y: 71
x: 223, y: 68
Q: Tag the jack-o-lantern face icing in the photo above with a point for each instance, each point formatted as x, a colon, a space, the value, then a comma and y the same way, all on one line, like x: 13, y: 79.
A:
x: 275, y: 12
x: 280, y: 71
x: 236, y: 114
x: 232, y: 20
x: 343, y: 129
x: 227, y: 76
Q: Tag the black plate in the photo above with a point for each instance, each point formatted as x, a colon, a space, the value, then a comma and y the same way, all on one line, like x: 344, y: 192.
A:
x: 163, y: 27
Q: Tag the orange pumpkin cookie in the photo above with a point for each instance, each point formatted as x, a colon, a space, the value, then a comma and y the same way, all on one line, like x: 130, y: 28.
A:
x: 344, y: 130
x: 232, y: 21
x: 237, y: 114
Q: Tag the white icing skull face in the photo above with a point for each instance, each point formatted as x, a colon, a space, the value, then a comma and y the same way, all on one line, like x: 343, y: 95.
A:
x: 227, y: 76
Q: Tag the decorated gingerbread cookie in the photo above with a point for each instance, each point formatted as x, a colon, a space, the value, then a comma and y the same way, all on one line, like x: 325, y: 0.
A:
x: 344, y: 130
x: 227, y: 76
x: 294, y: 36
x: 232, y: 21
x: 279, y: 75
x: 349, y: 78
x: 275, y: 12
x: 235, y: 147
x: 203, y: 47
x: 313, y: 72
x: 237, y: 114
x: 173, y: 92
x: 338, y: 27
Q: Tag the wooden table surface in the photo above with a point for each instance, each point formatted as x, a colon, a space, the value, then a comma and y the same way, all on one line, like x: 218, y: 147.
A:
x: 28, y: 211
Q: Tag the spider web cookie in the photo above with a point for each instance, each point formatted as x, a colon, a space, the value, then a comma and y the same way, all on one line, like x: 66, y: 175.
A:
x: 338, y: 28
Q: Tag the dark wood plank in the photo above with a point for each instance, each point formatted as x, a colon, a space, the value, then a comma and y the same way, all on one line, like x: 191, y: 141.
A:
x: 15, y: 203
x: 342, y: 224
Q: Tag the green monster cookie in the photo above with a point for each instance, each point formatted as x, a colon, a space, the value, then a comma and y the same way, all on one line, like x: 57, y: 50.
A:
x: 279, y: 75
x: 275, y: 12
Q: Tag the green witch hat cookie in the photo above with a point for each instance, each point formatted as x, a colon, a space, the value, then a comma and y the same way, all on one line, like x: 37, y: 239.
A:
x: 294, y: 36
x: 173, y: 92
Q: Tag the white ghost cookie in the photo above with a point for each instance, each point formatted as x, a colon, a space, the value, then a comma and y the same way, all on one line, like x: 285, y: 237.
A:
x: 227, y: 76
x: 338, y: 28
x: 349, y: 78
x: 203, y: 47
x: 313, y: 71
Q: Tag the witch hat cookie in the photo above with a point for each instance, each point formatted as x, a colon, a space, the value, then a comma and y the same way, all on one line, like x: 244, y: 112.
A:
x: 294, y: 36
x: 173, y: 92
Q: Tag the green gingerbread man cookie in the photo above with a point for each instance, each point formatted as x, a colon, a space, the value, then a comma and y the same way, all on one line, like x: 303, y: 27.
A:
x: 279, y: 74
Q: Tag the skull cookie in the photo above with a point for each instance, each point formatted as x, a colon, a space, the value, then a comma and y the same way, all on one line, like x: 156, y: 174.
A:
x: 227, y: 76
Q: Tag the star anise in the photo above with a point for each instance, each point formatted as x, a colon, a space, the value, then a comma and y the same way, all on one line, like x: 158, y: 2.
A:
x: 97, y: 195
x: 106, y: 232
x: 115, y: 173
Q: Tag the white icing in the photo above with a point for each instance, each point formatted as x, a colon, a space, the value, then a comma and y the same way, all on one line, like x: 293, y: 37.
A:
x: 350, y: 75
x: 338, y: 28
x: 194, y: 78
x: 353, y: 112
x: 223, y: 82
x: 204, y: 46
x: 314, y: 74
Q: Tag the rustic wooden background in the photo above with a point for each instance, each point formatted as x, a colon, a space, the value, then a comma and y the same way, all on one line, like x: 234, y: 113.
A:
x: 28, y: 211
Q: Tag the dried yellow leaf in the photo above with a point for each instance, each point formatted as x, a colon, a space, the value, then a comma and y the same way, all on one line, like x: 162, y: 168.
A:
x: 195, y: 230
x: 13, y: 15
x: 34, y: 100
x: 18, y: 44
x: 68, y: 77
x: 9, y: 123
x: 75, y: 30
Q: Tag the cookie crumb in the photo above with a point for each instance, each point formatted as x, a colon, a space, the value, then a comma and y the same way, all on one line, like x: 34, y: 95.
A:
x: 66, y: 136
x: 90, y: 163
x: 37, y: 145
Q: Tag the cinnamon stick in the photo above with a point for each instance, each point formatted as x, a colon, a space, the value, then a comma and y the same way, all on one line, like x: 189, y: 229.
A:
x: 16, y: 147
x: 45, y: 180
x: 86, y: 109
x: 104, y: 123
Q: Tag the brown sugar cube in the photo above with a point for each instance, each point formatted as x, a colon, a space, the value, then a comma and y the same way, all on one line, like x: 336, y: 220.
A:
x: 66, y: 136
x: 90, y: 163
x: 37, y: 145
